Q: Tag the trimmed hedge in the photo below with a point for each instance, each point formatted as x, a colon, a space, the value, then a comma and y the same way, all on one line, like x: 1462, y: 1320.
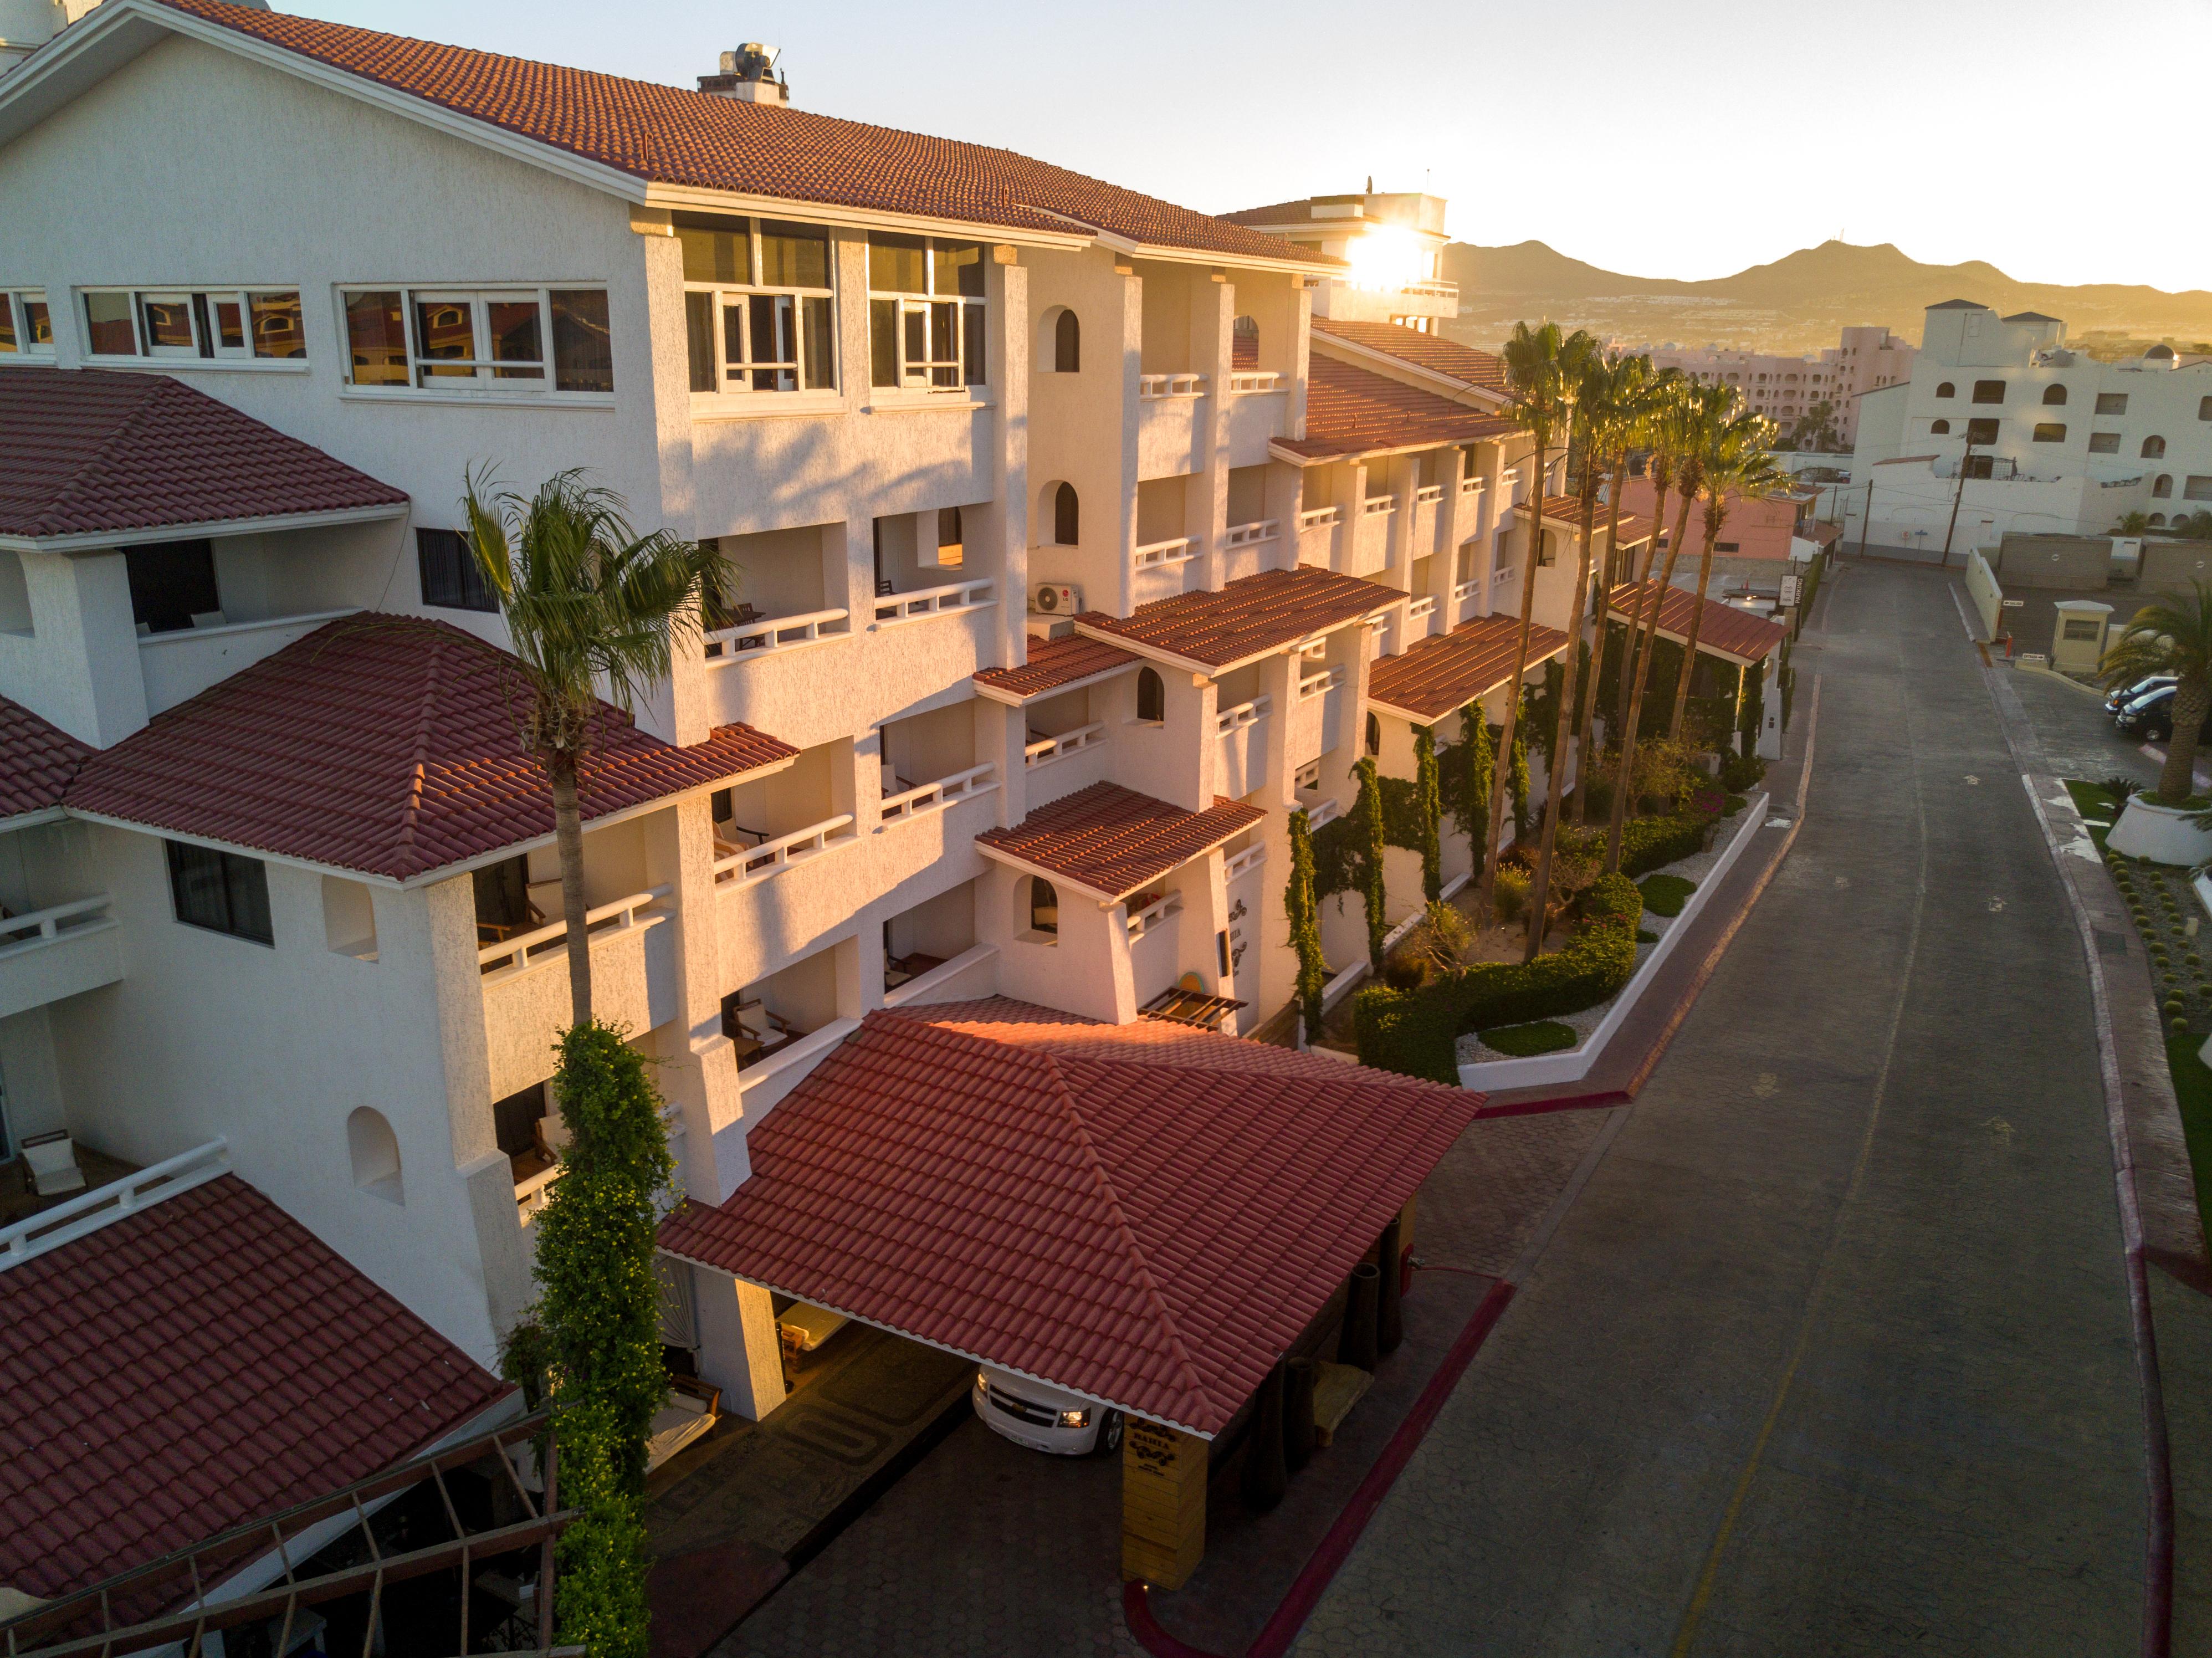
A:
x: 1416, y: 1032
x: 1650, y: 843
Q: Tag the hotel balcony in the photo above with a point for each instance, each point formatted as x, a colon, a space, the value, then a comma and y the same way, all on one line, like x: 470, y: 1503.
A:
x: 58, y: 951
x: 1167, y: 424
x: 525, y: 982
x: 1257, y: 413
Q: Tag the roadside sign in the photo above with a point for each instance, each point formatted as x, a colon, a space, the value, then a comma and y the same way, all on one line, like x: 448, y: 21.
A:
x: 1790, y: 588
x: 2014, y: 604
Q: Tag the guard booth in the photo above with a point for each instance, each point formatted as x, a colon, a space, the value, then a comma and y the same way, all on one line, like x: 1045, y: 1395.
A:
x: 2077, y: 641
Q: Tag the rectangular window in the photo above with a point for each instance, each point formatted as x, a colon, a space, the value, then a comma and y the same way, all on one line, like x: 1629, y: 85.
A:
x: 220, y: 891
x: 1988, y: 391
x: 451, y: 580
x: 2111, y: 402
x: 2050, y: 431
x: 759, y: 304
x: 482, y: 341
x: 926, y: 317
x: 2081, y: 628
x: 172, y: 585
x: 2198, y: 489
x: 1982, y: 431
x: 211, y: 324
x: 26, y: 330
x: 2104, y: 443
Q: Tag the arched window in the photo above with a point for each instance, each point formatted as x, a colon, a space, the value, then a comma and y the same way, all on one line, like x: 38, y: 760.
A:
x: 2154, y: 448
x: 374, y: 1150
x: 1067, y: 344
x: 1374, y: 736
x: 1244, y: 342
x: 1152, y: 696
x: 2161, y: 486
x: 1946, y: 390
x: 1939, y: 428
x: 1066, y: 517
x: 1044, y: 906
x: 2054, y: 395
x: 2157, y: 521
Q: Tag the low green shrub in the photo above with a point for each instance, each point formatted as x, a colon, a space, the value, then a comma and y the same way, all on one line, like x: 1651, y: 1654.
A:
x: 1647, y: 843
x: 1740, y: 773
x: 1404, y: 973
x: 2180, y: 1026
x: 1645, y: 936
x: 1524, y: 1041
x: 2174, y: 1004
x: 1664, y: 894
x: 1735, y: 803
x: 1510, y: 891
x: 1416, y: 1032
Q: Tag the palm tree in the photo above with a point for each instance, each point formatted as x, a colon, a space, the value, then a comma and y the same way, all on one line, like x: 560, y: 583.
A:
x: 2132, y: 524
x: 1541, y: 402
x: 1738, y: 463
x: 585, y: 597
x: 2172, y: 635
x: 1681, y: 422
x: 1660, y: 429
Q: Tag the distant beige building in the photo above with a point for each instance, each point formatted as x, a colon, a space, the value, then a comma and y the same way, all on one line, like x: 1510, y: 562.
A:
x: 1785, y: 389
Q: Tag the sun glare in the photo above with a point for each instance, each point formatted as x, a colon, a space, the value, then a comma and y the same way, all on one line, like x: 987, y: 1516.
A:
x: 1388, y: 256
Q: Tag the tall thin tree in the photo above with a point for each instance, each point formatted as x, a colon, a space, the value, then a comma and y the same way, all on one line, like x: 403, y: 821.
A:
x: 586, y: 599
x: 1738, y: 464
x: 1632, y: 384
x: 1540, y: 405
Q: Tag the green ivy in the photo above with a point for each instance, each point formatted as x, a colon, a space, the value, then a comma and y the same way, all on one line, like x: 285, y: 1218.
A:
x: 595, y: 1332
x: 1428, y: 804
x: 1300, y: 903
x: 1371, y: 892
x: 1518, y: 779
x: 1336, y: 856
x: 1754, y: 712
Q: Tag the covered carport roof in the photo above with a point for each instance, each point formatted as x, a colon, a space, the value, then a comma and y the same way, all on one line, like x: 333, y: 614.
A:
x: 1149, y: 1233
x: 1724, y: 630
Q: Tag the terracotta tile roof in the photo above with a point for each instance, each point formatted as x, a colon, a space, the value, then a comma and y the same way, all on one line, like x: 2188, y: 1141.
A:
x: 1247, y: 617
x: 1482, y: 370
x: 1428, y: 679
x: 1568, y: 510
x: 383, y: 744
x: 1725, y: 629
x: 1356, y: 411
x: 1297, y: 212
x: 89, y: 451
x: 36, y: 761
x: 1113, y: 841
x: 1149, y: 1235
x: 1141, y: 1041
x: 1054, y: 663
x: 672, y: 136
x: 187, y: 1368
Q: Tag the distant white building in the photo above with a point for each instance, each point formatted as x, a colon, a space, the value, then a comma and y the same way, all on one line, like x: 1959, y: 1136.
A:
x: 1785, y: 389
x: 2050, y: 440
x: 1392, y: 242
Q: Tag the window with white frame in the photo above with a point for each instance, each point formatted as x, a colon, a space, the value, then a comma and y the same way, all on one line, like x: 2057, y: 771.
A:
x: 925, y: 313
x: 759, y: 304
x: 478, y: 341
x: 27, y: 328
x: 211, y: 324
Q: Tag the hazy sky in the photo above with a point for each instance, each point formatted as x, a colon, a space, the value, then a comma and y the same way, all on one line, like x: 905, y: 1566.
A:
x: 2060, y: 142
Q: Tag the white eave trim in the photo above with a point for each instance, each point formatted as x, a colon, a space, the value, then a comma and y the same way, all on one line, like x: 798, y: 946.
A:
x: 102, y: 540
x: 1215, y: 670
x: 697, y: 198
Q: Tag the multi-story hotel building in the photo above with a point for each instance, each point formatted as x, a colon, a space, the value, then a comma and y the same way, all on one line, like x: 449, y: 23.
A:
x: 1786, y: 389
x: 1073, y: 551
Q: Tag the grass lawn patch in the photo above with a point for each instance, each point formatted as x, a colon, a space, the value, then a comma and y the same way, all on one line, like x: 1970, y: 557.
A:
x: 2098, y: 807
x: 1548, y: 1036
x: 2192, y: 1091
x: 1646, y: 936
x: 1663, y: 894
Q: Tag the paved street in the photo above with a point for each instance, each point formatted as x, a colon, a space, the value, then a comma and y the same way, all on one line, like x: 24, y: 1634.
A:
x: 1832, y: 1354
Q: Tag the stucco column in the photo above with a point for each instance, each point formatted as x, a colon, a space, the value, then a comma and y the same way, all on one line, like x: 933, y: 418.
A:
x: 1212, y: 354
x: 1119, y: 533
x: 1008, y: 522
x: 85, y: 646
x: 698, y: 1071
x: 737, y: 1346
x: 1294, y: 411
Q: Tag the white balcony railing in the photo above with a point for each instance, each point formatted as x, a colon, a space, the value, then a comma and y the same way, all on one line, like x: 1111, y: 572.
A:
x: 1320, y: 684
x: 1421, y: 609
x: 933, y: 601
x: 1376, y: 505
x: 771, y: 858
x: 1428, y: 494
x: 1432, y: 289
x: 932, y: 797
x: 1470, y: 486
x: 1243, y: 714
x: 1314, y: 517
x: 1321, y: 812
x: 1161, y: 909
x: 88, y: 1211
x: 1254, y: 379
x: 19, y: 934
x: 1252, y: 534
x: 751, y: 639
x: 1150, y: 386
x: 1044, y: 750
x: 1499, y: 577
x: 1159, y: 554
x: 1243, y: 863
x: 1467, y: 590
x: 510, y: 955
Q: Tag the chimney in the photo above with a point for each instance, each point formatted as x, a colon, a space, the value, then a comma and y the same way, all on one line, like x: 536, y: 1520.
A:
x: 749, y: 75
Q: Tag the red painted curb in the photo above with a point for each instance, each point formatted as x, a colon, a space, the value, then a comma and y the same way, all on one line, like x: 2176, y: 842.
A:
x: 1560, y: 1103
x: 1321, y: 1568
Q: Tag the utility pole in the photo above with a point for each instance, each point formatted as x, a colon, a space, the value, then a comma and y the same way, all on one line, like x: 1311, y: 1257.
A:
x: 1957, y: 495
x: 1866, y: 524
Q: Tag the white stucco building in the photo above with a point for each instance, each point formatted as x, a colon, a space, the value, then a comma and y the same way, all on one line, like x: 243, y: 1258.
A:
x: 2060, y: 442
x: 1068, y: 545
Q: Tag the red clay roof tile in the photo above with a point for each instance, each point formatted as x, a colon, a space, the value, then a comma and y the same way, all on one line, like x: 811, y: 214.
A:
x: 1430, y: 678
x: 37, y: 761
x: 1247, y: 617
x: 383, y: 743
x: 1113, y: 840
x: 1724, y: 629
x: 185, y: 1368
x: 88, y: 451
x: 1054, y: 663
x: 670, y: 135
x: 1464, y: 363
x: 1152, y: 1235
x: 1355, y: 411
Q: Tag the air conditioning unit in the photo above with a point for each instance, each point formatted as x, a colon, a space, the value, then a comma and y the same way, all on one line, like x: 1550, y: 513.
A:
x: 1057, y: 598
